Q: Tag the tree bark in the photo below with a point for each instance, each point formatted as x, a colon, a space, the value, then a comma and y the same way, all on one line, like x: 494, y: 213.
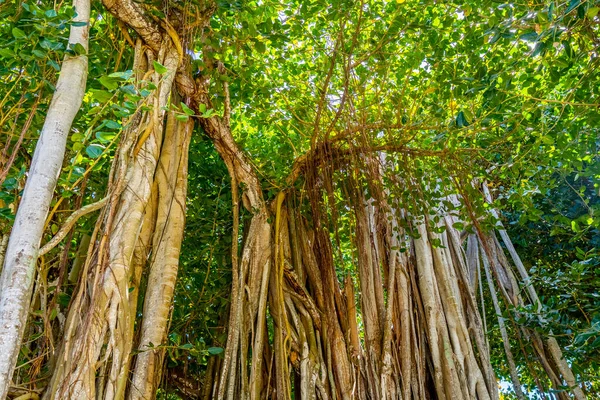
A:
x: 171, y: 179
x: 99, y: 321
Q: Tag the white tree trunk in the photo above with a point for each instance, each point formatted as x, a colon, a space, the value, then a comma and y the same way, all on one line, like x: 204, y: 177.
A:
x: 16, y: 282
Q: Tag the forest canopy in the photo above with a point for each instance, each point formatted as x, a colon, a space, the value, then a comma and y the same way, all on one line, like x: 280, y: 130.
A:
x: 299, y: 199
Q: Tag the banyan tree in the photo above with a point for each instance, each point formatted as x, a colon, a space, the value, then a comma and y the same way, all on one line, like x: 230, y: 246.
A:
x: 362, y: 268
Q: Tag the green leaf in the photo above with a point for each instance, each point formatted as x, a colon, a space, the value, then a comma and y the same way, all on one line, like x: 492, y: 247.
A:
x: 568, y: 50
x: 79, y: 23
x: 187, y: 346
x: 18, y: 34
x: 129, y: 89
x: 495, y: 38
x: 260, y: 47
x: 547, y: 140
x: 575, y: 226
x: 78, y: 49
x: 572, y: 5
x: 592, y: 12
x: 50, y: 44
x: 186, y: 109
x: 122, y: 75
x: 158, y: 67
x: 459, y: 226
x: 95, y: 110
x: 53, y: 64
x: 109, y: 83
x: 105, y: 137
x: 461, y: 120
x: 49, y: 85
x: 50, y: 13
x: 100, y: 95
x: 182, y: 117
x: 63, y: 299
x: 215, y: 350
x: 538, y: 49
x: 111, y: 124
x: 94, y: 150
x: 77, y: 137
x: 202, y: 108
x: 7, y: 213
x: 529, y: 36
x: 7, y: 53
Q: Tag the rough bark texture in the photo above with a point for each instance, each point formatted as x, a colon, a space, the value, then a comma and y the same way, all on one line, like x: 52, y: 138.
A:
x: 423, y: 334
x: 426, y: 341
x: 16, y: 283
x: 250, y: 271
x: 171, y: 178
x: 99, y: 322
x: 144, y: 217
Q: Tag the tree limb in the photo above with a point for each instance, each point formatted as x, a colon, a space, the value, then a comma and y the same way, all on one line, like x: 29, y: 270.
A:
x: 69, y: 224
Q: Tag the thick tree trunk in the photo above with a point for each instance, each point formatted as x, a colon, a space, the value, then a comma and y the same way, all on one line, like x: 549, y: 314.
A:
x: 98, y: 334
x: 18, y: 273
x: 145, y: 215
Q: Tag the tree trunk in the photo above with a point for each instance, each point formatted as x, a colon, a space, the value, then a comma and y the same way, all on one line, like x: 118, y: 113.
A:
x: 171, y: 180
x: 18, y: 273
x: 98, y: 333
x: 250, y: 272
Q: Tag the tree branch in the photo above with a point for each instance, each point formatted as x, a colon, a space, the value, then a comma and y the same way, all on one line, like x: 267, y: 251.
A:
x: 69, y: 224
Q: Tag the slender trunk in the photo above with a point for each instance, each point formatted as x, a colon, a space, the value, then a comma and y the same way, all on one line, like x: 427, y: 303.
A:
x: 514, y: 376
x: 17, y: 278
x: 250, y: 283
